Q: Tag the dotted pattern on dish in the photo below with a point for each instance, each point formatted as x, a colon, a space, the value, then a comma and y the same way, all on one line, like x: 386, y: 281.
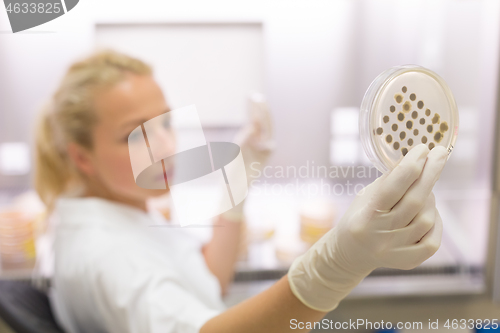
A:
x: 409, y: 122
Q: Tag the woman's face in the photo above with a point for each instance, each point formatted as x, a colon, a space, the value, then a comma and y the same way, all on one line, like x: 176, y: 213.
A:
x: 120, y: 110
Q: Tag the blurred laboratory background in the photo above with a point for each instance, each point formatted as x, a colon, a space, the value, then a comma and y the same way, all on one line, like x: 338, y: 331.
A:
x: 311, y: 61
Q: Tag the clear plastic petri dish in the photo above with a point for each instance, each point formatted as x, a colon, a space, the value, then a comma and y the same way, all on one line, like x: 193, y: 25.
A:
x: 403, y: 107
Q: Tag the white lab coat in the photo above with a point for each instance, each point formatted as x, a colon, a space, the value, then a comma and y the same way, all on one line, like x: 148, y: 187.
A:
x: 116, y: 272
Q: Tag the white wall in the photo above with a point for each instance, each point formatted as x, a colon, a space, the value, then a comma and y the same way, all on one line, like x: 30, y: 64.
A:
x: 307, y: 45
x: 214, y: 66
x: 31, y: 64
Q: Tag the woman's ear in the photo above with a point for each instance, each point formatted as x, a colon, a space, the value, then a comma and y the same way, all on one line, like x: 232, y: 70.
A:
x: 81, y: 158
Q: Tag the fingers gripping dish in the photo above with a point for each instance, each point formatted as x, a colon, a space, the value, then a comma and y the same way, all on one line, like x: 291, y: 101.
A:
x: 408, y: 119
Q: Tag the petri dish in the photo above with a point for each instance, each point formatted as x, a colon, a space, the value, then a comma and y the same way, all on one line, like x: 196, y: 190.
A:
x: 403, y: 107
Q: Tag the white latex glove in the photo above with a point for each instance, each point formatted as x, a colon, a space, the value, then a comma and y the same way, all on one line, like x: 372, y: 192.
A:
x: 392, y: 223
x: 256, y: 143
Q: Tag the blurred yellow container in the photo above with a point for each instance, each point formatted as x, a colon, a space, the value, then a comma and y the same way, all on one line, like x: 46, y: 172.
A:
x: 17, y: 240
x: 316, y: 219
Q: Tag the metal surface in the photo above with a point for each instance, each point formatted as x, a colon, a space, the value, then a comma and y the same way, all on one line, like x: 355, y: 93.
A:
x: 493, y: 260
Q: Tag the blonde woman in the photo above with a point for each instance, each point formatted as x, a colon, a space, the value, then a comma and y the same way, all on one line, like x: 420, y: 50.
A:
x: 114, y: 273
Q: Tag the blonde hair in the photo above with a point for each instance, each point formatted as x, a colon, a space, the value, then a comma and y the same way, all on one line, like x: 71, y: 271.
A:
x: 69, y: 117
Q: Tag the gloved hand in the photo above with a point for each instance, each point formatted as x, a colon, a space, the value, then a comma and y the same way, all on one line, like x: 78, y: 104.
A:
x: 392, y: 223
x: 256, y: 143
x: 256, y: 138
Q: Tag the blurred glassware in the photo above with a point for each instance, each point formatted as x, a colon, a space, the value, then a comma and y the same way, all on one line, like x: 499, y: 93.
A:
x: 316, y: 219
x: 289, y: 247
